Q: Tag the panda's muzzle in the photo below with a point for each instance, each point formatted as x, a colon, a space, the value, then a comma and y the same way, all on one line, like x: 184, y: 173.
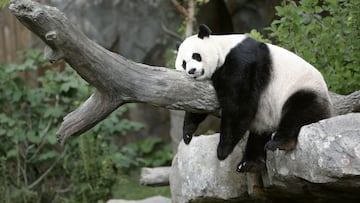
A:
x: 191, y: 71
x: 196, y: 74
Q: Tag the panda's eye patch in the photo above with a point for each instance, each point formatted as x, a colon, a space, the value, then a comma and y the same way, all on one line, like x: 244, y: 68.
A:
x: 196, y: 56
x: 184, y: 64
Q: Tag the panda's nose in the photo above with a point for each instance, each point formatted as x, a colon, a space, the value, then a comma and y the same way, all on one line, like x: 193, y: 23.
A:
x: 192, y: 71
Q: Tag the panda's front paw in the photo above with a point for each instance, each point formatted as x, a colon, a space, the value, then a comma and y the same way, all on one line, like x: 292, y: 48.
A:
x: 187, y: 138
x: 223, y: 151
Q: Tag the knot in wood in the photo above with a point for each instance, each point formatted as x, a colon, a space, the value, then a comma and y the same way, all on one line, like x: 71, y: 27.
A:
x: 51, y: 35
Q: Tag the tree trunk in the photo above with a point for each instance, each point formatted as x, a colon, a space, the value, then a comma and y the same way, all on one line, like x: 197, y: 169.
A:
x: 117, y: 79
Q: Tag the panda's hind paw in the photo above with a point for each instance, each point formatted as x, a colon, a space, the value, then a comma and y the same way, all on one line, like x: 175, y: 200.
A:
x: 251, y: 166
x: 286, y: 145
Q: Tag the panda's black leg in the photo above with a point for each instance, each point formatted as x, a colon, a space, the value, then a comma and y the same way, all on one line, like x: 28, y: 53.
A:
x: 254, y: 159
x: 235, y: 121
x: 191, y: 122
x: 302, y: 108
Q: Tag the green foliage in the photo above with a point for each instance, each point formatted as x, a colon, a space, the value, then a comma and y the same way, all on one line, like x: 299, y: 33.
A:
x: 33, y: 167
x: 92, y: 177
x: 326, y: 34
x: 170, y: 56
x: 254, y: 34
x: 150, y: 152
x: 4, y: 3
x: 153, y: 152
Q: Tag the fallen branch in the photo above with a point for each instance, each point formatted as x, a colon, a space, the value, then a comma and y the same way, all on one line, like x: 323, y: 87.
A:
x: 158, y: 176
x: 117, y: 79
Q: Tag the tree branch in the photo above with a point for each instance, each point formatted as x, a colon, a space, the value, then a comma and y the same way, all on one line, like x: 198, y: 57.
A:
x: 345, y: 104
x: 117, y: 79
x: 180, y: 8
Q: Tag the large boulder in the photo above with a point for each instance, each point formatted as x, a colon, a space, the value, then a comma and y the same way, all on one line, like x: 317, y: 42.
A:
x: 325, y: 166
x: 197, y: 173
x: 325, y: 163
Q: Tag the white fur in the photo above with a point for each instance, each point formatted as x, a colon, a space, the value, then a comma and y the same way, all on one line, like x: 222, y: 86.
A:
x: 290, y: 73
x: 213, y: 51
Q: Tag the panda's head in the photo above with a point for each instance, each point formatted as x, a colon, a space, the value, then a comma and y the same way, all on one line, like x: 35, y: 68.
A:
x: 197, y: 55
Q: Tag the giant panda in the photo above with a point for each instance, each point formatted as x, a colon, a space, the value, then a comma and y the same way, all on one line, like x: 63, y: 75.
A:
x: 262, y: 89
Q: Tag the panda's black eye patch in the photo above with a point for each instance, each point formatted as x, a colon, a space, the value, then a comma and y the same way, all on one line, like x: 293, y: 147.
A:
x: 196, y: 56
x: 184, y: 64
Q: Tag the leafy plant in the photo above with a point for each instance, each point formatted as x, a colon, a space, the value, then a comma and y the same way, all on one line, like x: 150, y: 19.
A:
x: 34, y: 98
x: 326, y: 34
x: 257, y: 36
x: 150, y: 152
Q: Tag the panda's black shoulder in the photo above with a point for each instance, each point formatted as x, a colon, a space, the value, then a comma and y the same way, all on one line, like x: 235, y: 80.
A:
x: 249, y: 51
x: 245, y: 57
x: 247, y: 68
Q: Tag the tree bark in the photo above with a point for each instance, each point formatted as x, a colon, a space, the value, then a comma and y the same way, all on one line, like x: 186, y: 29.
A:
x: 117, y: 79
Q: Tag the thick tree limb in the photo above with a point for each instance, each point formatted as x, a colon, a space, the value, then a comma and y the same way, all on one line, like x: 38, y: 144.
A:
x: 117, y: 79
x: 345, y: 104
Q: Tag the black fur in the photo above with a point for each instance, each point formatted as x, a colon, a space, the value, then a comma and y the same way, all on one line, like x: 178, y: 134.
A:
x: 301, y: 108
x: 191, y: 122
x: 204, y: 31
x: 184, y: 64
x: 239, y: 83
x: 177, y: 45
x: 254, y: 159
x: 196, y: 56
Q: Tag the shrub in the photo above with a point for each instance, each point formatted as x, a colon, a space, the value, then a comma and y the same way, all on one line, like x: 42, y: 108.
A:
x: 33, y: 167
x: 326, y: 34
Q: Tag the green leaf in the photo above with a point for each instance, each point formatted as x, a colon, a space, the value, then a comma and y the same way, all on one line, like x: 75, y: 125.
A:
x: 11, y: 153
x: 54, y: 112
x: 148, y: 145
x: 47, y: 156
x: 52, y: 139
x: 2, y: 131
x: 33, y: 138
x: 318, y: 9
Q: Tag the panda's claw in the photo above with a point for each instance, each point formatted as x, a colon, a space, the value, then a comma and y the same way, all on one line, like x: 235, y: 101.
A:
x: 251, y: 166
x: 187, y: 138
x: 240, y: 167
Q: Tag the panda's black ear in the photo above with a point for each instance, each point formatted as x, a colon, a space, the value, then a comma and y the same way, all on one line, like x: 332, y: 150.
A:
x: 178, y: 43
x: 204, y: 31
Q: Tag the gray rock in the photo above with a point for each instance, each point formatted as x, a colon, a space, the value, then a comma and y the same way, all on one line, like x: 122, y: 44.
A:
x: 327, y: 152
x: 196, y: 171
x: 155, y: 199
